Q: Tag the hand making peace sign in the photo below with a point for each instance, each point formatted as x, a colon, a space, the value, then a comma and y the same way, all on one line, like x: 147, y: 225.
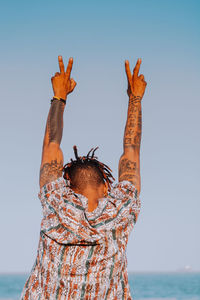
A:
x: 61, y: 82
x: 136, y: 84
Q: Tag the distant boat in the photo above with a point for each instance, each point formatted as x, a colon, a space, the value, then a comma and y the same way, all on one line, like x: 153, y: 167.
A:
x: 186, y: 268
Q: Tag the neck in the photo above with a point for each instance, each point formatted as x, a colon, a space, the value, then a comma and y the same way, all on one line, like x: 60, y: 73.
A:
x: 92, y: 195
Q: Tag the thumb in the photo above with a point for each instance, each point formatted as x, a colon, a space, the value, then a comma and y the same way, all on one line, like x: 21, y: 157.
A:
x: 141, y: 77
x: 72, y: 84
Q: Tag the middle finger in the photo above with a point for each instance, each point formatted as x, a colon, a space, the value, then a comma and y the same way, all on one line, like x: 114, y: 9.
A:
x: 61, y: 64
x: 137, y: 68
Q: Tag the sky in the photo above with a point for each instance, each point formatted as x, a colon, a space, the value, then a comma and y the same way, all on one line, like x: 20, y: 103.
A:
x: 100, y: 35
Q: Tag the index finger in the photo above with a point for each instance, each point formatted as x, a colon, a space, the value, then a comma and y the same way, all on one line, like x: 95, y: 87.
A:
x: 61, y: 64
x: 137, y: 68
x: 128, y: 71
x: 69, y: 67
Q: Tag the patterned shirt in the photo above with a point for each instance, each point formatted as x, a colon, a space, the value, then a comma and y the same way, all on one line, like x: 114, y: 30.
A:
x: 82, y: 254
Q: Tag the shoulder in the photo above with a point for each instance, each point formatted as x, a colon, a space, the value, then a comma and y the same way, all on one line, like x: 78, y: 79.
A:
x: 123, y: 189
x: 53, y: 191
x: 60, y: 185
x: 124, y: 196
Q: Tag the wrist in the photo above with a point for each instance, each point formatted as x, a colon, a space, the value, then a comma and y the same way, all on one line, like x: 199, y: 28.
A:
x: 60, y: 96
x: 58, y: 99
x: 135, y: 97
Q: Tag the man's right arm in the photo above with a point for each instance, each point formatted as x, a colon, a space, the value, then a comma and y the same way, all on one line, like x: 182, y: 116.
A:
x: 129, y: 164
x: 52, y: 156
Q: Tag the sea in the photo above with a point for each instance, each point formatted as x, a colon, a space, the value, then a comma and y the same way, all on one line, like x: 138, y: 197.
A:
x: 168, y: 286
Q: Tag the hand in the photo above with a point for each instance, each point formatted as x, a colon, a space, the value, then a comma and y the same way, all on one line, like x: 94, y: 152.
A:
x: 136, y: 84
x: 61, y: 82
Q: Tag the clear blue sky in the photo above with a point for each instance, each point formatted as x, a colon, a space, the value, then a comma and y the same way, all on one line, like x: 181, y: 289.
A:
x: 100, y: 35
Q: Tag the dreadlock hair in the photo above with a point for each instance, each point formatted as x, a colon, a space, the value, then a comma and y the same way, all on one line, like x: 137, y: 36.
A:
x: 87, y: 170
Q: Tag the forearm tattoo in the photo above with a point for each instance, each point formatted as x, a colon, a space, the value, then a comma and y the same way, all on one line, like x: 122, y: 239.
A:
x: 50, y: 171
x: 132, y: 135
x: 55, y: 121
x: 127, y: 166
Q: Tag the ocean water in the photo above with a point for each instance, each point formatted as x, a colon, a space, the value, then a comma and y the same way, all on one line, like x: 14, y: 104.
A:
x: 168, y: 286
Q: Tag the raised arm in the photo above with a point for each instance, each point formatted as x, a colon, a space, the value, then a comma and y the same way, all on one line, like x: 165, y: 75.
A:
x: 129, y: 163
x: 52, y: 156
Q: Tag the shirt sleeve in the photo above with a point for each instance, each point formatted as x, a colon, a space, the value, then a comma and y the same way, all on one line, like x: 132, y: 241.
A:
x: 125, y: 198
x: 64, y: 216
x: 127, y: 208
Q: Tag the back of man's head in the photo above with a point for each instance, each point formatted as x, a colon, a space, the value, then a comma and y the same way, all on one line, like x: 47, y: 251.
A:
x: 87, y: 171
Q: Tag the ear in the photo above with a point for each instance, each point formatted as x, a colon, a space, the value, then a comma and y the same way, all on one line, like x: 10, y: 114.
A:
x: 105, y: 189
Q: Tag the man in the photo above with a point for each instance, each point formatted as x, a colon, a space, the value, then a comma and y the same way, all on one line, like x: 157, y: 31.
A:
x: 86, y: 222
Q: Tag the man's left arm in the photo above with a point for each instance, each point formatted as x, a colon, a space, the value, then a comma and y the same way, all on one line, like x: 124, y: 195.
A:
x: 129, y: 164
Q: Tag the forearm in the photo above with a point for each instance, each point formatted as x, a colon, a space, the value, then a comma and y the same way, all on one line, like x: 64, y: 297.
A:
x: 133, y: 128
x: 52, y: 156
x: 129, y: 164
x: 54, y: 125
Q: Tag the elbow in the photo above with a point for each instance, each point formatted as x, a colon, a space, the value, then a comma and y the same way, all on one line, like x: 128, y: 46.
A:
x: 131, y: 149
